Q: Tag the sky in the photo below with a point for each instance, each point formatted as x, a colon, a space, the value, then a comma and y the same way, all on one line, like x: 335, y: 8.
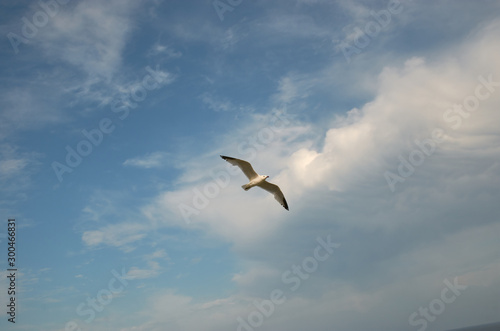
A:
x: 378, y: 119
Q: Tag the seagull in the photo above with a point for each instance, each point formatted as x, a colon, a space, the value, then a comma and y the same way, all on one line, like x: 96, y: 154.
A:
x: 257, y: 180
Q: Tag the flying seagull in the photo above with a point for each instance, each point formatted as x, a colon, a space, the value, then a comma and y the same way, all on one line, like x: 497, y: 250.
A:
x: 257, y: 180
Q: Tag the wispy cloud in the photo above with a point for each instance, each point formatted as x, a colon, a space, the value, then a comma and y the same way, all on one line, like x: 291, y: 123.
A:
x: 16, y: 168
x: 27, y: 108
x: 153, y: 262
x: 216, y: 104
x: 91, y: 36
x: 117, y: 235
x: 137, y: 273
x: 152, y: 160
x: 168, y: 52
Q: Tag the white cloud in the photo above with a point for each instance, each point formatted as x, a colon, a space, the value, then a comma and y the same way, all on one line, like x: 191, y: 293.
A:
x: 167, y: 309
x: 152, y: 271
x: 158, y: 254
x: 91, y: 36
x: 255, y: 274
x: 80, y: 58
x: 118, y: 235
x: 216, y: 104
x: 409, y: 105
x: 447, y: 205
x: 26, y: 108
x: 154, y: 268
x: 12, y: 167
x: 397, y: 247
x: 293, y: 88
x: 357, y: 148
x: 342, y: 304
x: 165, y: 50
x: 151, y: 160
x: 16, y: 170
x: 292, y: 26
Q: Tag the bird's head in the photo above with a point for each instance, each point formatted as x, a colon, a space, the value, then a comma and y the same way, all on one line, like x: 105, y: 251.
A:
x: 266, y: 176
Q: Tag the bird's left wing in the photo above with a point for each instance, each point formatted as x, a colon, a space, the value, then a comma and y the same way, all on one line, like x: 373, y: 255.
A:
x: 243, y: 165
x: 275, y: 190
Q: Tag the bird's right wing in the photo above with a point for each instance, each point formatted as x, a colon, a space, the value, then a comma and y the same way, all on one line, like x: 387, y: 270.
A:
x: 274, y: 190
x: 243, y: 165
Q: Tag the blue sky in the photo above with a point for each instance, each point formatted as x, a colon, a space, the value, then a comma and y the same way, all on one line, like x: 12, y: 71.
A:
x: 378, y: 119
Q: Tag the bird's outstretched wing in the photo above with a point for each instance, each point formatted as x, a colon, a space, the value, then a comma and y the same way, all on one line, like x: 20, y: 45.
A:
x: 275, y: 190
x: 243, y: 165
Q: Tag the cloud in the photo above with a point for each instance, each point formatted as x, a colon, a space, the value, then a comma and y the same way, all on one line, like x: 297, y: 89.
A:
x: 165, y: 50
x: 215, y: 104
x: 175, y: 311
x: 254, y: 275
x: 160, y: 253
x: 90, y: 36
x: 16, y: 169
x: 151, y: 160
x: 117, y: 235
x: 154, y: 268
x: 397, y: 247
x: 340, y: 303
x: 409, y: 105
x: 292, y: 27
x: 12, y: 167
x: 79, y: 63
x: 27, y: 108
x: 152, y: 271
x: 359, y: 147
x: 438, y: 224
x: 294, y: 87
x: 87, y: 42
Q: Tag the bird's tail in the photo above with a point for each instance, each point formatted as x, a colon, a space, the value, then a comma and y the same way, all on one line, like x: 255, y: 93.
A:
x: 246, y: 187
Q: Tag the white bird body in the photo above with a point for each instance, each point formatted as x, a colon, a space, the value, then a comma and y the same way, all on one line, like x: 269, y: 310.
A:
x: 257, y: 180
x: 254, y: 182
